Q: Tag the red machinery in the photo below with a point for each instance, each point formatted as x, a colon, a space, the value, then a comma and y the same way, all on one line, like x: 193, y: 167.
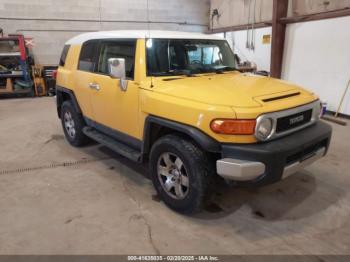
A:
x: 15, y: 65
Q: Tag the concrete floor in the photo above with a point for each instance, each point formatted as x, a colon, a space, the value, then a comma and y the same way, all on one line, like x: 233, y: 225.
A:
x: 56, y: 199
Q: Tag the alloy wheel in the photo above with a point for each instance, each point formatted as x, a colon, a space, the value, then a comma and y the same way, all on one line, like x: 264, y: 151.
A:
x: 69, y: 124
x: 173, y: 176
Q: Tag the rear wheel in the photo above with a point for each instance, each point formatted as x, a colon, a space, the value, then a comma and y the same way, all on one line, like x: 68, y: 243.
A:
x: 180, y: 172
x: 73, y: 124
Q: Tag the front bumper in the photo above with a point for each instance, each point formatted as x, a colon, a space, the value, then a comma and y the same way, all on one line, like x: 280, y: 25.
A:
x: 266, y: 163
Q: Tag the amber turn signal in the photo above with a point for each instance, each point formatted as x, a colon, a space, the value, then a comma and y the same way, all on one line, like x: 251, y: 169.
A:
x: 233, y: 126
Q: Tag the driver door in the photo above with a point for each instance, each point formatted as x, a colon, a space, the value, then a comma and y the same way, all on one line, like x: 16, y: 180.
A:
x: 115, y: 110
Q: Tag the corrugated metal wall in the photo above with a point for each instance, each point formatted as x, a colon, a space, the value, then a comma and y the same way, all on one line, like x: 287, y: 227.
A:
x: 241, y: 12
x: 305, y: 7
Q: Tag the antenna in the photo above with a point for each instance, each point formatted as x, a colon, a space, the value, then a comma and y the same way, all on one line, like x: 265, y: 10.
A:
x: 100, y: 11
x: 149, y: 35
x: 148, y: 22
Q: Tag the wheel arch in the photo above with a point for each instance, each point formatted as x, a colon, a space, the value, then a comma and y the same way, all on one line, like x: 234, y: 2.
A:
x: 156, y: 127
x: 64, y: 94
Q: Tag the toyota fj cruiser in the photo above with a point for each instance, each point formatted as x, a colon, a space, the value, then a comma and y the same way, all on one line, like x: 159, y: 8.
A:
x: 175, y: 100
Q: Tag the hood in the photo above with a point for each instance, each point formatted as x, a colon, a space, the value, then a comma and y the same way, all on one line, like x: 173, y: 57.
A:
x: 229, y: 89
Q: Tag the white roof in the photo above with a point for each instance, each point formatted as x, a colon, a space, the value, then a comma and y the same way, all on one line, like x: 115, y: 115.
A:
x: 137, y: 34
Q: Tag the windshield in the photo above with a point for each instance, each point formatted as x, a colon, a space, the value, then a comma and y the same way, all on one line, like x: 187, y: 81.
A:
x: 166, y: 57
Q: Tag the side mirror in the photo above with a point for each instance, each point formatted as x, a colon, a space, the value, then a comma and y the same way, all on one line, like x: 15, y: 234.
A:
x: 116, y: 69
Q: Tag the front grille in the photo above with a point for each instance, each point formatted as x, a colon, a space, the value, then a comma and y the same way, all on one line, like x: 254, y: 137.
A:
x: 306, y: 152
x: 293, y: 121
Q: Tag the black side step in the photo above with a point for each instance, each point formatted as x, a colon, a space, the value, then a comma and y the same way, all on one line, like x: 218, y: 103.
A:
x: 111, y: 143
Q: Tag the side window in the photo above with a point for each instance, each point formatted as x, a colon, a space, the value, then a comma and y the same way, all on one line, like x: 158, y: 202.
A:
x: 87, y: 56
x: 117, y: 49
x: 64, y: 55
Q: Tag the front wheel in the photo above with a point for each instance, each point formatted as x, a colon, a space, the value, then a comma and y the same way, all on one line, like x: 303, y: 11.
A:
x: 180, y: 172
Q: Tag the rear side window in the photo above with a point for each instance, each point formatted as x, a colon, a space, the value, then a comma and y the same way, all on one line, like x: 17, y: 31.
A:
x: 87, y: 56
x: 64, y: 55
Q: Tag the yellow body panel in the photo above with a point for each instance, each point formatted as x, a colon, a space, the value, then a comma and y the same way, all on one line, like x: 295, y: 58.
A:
x: 115, y: 108
x: 71, y: 78
x: 194, y: 101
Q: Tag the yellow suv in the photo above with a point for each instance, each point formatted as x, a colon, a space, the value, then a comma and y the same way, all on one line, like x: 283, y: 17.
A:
x: 175, y: 100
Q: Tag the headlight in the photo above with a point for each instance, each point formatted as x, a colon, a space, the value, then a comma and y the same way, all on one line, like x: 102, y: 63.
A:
x: 318, y: 111
x: 263, y: 129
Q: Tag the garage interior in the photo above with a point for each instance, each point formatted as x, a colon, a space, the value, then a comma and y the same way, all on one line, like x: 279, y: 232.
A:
x: 59, y: 200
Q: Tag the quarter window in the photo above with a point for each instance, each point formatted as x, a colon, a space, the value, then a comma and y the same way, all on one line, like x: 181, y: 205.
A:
x: 64, y: 55
x: 87, y: 56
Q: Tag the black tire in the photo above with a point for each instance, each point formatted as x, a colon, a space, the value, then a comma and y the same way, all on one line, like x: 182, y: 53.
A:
x: 196, y: 166
x: 77, y: 139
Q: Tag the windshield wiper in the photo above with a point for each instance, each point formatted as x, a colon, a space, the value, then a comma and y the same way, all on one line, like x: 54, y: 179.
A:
x: 217, y: 70
x: 185, y: 72
x: 224, y: 69
x: 175, y: 72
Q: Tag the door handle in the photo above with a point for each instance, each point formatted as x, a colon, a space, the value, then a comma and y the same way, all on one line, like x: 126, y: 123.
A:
x: 95, y: 86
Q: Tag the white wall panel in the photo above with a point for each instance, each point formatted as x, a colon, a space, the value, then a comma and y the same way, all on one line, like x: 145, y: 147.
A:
x: 262, y: 52
x: 317, y: 56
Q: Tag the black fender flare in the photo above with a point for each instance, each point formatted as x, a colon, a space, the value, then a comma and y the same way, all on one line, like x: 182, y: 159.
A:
x: 61, y: 95
x: 203, y: 140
